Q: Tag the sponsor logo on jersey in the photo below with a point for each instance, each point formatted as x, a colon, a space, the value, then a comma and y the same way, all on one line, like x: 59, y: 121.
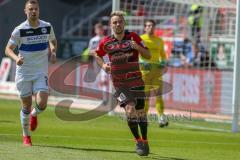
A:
x: 112, y: 47
x: 34, y: 38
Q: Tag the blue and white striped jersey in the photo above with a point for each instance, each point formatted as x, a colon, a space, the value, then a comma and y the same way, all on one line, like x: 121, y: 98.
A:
x: 33, y: 45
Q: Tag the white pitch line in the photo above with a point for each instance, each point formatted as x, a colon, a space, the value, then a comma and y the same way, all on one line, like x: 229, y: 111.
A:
x: 203, y: 128
x: 124, y: 139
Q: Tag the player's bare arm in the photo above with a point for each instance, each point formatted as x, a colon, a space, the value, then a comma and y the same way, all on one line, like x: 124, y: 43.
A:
x: 53, y: 50
x: 10, y: 53
x: 143, y: 51
x: 101, y: 63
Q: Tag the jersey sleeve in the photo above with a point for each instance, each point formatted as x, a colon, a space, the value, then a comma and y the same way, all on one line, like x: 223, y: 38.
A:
x: 100, y: 49
x: 15, y: 37
x: 93, y: 44
x: 90, y: 44
x: 52, y: 34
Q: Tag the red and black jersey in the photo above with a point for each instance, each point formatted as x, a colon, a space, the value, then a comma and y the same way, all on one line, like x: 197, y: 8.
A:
x: 124, y: 59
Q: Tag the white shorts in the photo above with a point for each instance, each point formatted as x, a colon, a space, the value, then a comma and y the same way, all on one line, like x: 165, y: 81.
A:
x: 28, y: 88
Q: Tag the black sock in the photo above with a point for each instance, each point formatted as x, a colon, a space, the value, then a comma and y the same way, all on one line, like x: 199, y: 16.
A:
x: 133, y: 125
x: 143, y: 124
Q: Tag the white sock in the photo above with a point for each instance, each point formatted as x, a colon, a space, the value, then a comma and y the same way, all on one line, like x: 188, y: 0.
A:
x: 162, y: 118
x: 24, y: 117
x: 159, y: 118
x: 36, y: 111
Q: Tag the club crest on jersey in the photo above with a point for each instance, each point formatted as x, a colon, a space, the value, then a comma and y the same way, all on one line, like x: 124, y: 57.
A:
x: 44, y: 30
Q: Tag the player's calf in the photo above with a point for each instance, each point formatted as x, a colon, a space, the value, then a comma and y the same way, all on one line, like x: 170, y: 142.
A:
x: 132, y: 120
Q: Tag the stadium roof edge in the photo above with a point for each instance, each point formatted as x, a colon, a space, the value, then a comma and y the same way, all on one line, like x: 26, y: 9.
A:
x: 208, y: 3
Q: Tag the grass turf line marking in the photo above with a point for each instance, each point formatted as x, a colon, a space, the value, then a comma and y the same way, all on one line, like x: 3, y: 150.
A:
x: 203, y: 128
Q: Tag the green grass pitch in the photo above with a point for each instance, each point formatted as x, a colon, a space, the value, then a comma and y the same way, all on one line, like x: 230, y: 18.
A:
x: 108, y: 138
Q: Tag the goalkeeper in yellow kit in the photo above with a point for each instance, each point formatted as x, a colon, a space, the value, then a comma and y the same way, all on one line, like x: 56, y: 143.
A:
x: 154, y: 66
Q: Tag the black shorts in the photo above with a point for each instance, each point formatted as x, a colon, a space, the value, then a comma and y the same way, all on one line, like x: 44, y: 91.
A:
x: 124, y: 96
x: 140, y: 102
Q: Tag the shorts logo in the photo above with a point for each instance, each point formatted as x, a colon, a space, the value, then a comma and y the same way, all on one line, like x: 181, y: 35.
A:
x: 44, y: 30
x: 122, y: 97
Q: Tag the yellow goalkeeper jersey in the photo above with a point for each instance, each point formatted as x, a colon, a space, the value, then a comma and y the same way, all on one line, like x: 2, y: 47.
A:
x: 156, y: 47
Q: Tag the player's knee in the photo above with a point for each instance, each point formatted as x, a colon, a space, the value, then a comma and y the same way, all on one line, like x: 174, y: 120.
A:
x: 132, y: 117
x: 131, y: 111
x: 26, y: 101
x: 141, y: 115
x: 141, y: 112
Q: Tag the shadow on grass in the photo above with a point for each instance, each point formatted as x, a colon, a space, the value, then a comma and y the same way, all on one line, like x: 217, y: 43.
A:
x: 86, y: 149
x: 159, y: 157
x: 7, y: 121
x: 151, y: 155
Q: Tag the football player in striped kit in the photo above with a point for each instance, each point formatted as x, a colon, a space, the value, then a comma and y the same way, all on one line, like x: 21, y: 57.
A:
x: 35, y: 41
x: 123, y: 49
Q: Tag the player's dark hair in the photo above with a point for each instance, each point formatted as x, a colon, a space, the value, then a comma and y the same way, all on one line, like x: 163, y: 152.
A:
x: 151, y: 21
x: 32, y: 2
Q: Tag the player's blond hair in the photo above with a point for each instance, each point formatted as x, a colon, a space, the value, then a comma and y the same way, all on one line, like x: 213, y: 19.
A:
x: 117, y: 13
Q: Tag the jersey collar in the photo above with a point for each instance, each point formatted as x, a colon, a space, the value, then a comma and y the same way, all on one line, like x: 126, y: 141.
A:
x: 28, y: 24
